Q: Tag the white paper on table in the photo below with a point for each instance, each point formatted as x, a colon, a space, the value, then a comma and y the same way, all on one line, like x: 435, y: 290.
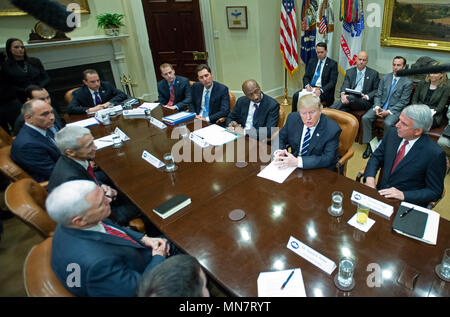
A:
x: 104, y: 142
x: 276, y: 174
x: 363, y: 227
x: 269, y: 284
x: 84, y: 123
x: 215, y: 135
x: 149, y: 105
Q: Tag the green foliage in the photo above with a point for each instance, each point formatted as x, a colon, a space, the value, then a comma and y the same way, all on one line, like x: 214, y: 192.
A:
x: 109, y: 20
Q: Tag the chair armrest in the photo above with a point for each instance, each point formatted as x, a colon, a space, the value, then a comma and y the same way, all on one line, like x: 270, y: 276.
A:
x: 137, y: 225
x: 44, y: 184
x: 221, y: 120
x: 345, y: 158
x: 360, y: 175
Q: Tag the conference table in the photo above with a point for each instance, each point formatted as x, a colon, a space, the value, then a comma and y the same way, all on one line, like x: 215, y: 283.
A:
x: 234, y: 253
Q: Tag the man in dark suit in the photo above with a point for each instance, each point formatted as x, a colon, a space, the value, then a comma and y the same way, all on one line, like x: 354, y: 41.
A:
x: 36, y: 92
x: 91, y: 255
x: 210, y: 99
x: 253, y: 111
x: 174, y: 92
x: 321, y: 75
x: 361, y: 79
x: 392, y: 96
x: 414, y: 165
x: 34, y: 148
x: 313, y: 137
x: 94, y: 95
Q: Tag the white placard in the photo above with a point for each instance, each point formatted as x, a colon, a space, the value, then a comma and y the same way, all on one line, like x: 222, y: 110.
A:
x: 199, y: 140
x: 157, y: 123
x: 311, y: 255
x: 374, y: 205
x: 152, y: 160
x: 122, y: 135
x: 109, y: 110
x: 149, y: 105
x: 135, y: 113
x: 85, y: 123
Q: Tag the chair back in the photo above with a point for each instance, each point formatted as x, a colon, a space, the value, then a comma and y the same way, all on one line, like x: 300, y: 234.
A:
x: 26, y: 199
x: 39, y: 278
x: 68, y: 95
x: 232, y: 100
x: 5, y: 138
x: 349, y: 125
x: 8, y: 167
x: 282, y: 116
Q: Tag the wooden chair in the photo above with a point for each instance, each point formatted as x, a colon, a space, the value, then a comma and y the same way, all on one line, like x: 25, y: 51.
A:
x: 349, y: 125
x: 38, y: 276
x: 26, y: 199
x: 68, y: 95
x: 232, y: 103
x: 5, y: 138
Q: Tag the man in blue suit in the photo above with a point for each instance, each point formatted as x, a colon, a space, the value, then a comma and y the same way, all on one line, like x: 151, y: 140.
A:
x: 414, y: 165
x: 313, y: 137
x: 34, y: 148
x: 210, y: 99
x: 94, y: 95
x: 91, y: 255
x: 174, y: 92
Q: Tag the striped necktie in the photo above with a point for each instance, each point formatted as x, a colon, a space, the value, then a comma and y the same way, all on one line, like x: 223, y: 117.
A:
x: 114, y: 232
x: 400, y: 155
x: 306, y: 141
x: 317, y: 74
x: 98, y: 100
x: 205, y: 112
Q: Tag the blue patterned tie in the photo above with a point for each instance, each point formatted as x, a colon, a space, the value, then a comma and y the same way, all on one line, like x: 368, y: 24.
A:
x: 206, y: 106
x: 386, y: 104
x: 306, y: 141
x: 317, y: 74
x: 98, y: 101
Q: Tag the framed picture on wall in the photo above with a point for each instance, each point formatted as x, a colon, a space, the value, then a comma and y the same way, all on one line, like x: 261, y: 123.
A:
x: 423, y: 24
x: 237, y: 17
x: 7, y: 9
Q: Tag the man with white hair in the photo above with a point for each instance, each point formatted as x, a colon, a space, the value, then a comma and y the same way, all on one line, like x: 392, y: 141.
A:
x: 91, y: 255
x: 414, y: 165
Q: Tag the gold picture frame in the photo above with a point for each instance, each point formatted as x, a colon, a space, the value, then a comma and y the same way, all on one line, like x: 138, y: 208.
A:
x: 8, y: 9
x: 409, y: 38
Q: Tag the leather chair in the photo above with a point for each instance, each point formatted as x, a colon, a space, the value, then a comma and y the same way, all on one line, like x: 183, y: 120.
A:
x: 39, y: 278
x: 5, y: 138
x: 26, y: 199
x: 349, y: 125
x: 68, y: 95
x: 281, y: 119
x: 232, y: 103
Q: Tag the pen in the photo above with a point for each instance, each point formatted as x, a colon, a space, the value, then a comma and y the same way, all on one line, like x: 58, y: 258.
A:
x: 406, y: 212
x: 285, y: 283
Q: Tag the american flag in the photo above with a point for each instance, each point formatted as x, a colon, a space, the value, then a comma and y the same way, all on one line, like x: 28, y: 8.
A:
x: 323, y: 25
x: 288, y: 35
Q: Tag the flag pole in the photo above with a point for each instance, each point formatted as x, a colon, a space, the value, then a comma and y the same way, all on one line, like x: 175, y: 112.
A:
x: 285, y: 101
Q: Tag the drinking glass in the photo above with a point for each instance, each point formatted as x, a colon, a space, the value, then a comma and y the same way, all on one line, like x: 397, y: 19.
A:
x: 117, y: 141
x: 170, y: 164
x: 445, y: 264
x: 346, y: 270
x: 336, y: 203
x: 362, y: 213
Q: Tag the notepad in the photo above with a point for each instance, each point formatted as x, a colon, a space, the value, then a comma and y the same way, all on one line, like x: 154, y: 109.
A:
x: 171, y: 206
x: 269, y: 284
x: 214, y: 135
x: 179, y: 117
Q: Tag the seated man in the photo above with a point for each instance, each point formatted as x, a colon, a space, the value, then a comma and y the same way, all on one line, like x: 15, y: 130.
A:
x: 36, y: 92
x: 34, y: 148
x: 91, y: 255
x: 392, y: 96
x: 179, y: 276
x: 362, y: 79
x: 253, y: 111
x: 313, y: 137
x: 414, y: 165
x: 94, y: 95
x: 174, y: 92
x: 77, y: 147
x: 321, y: 75
x: 210, y: 99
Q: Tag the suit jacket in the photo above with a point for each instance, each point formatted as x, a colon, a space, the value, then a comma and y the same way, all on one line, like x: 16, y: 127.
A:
x: 66, y: 170
x: 437, y: 101
x: 322, y: 151
x: 267, y: 114
x: 400, y: 95
x: 329, y: 78
x: 219, y: 100
x: 82, y: 97
x: 419, y: 175
x: 370, y: 84
x: 34, y: 153
x: 182, y: 92
x: 108, y: 265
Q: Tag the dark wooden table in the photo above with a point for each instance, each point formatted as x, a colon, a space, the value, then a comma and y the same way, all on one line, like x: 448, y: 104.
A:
x: 234, y: 253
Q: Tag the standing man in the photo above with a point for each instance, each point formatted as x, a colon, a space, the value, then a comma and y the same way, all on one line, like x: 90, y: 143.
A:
x: 321, y: 75
x: 210, y: 99
x: 392, y: 96
x: 253, y: 111
x: 94, y: 95
x: 361, y: 79
x: 174, y: 92
x: 414, y: 165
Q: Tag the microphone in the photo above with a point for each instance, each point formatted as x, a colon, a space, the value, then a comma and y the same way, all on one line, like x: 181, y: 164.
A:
x: 424, y: 70
x: 50, y: 12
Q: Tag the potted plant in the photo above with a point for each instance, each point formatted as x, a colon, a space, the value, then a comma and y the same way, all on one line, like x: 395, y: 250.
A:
x: 110, y: 22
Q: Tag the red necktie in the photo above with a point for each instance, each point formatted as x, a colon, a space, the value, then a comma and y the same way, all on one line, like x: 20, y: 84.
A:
x: 91, y: 172
x: 399, y: 156
x: 114, y: 232
x: 172, y: 95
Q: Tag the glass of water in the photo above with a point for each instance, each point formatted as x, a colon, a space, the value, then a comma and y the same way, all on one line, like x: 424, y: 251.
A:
x: 117, y: 141
x: 170, y: 164
x: 336, y: 203
x: 445, y: 265
x: 346, y: 270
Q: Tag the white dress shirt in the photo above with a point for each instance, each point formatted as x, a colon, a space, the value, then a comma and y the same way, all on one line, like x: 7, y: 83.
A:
x: 251, y: 111
x: 311, y: 132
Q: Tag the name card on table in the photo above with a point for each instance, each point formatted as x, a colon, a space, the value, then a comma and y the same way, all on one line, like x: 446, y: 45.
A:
x: 376, y: 206
x: 311, y: 255
x: 122, y: 135
x: 152, y: 160
x: 157, y: 123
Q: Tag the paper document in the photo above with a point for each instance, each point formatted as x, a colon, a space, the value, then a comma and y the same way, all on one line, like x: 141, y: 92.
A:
x: 84, y: 123
x: 276, y: 174
x: 363, y: 227
x: 149, y: 105
x: 269, y: 284
x: 215, y: 135
x: 108, y: 139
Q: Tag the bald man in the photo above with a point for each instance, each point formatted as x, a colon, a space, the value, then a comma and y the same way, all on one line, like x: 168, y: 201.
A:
x: 361, y: 79
x: 253, y: 111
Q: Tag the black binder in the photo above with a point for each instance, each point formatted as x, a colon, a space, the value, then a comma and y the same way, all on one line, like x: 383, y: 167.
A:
x: 413, y: 222
x: 172, y: 206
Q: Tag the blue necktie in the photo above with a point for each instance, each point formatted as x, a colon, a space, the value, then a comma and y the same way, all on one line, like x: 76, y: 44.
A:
x: 386, y: 104
x: 206, y: 105
x: 317, y: 74
x: 50, y: 135
x: 98, y: 101
x: 254, y: 113
x: 358, y: 81
x: 306, y: 141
